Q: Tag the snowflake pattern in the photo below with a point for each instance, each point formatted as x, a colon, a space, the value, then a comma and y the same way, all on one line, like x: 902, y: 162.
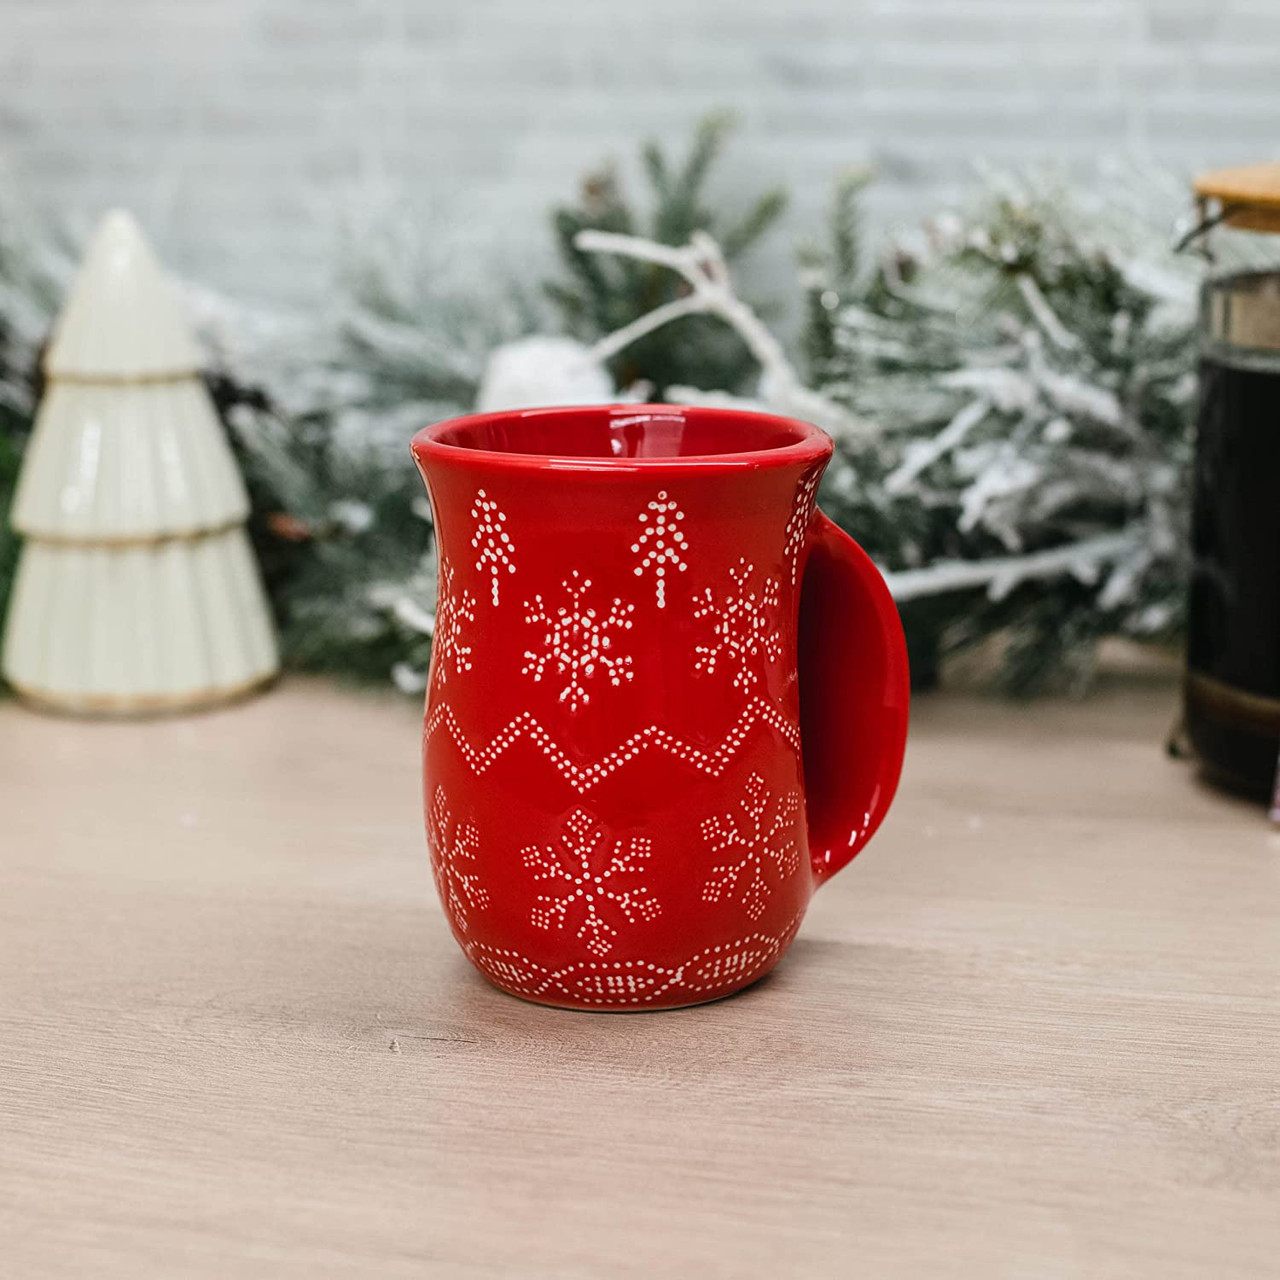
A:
x: 454, y: 610
x: 455, y: 845
x: 662, y: 542
x: 798, y: 521
x: 749, y: 844
x: 577, y: 641
x: 584, y: 872
x: 743, y: 627
x: 492, y: 540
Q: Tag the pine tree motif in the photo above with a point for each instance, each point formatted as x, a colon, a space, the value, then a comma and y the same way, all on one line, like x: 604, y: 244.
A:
x: 452, y: 611
x: 746, y: 836
x: 583, y: 871
x: 455, y: 845
x: 662, y: 542
x: 577, y: 644
x: 798, y: 522
x: 492, y: 540
x: 744, y: 626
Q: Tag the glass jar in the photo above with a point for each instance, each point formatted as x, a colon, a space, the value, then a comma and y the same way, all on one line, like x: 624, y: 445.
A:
x: 1232, y: 690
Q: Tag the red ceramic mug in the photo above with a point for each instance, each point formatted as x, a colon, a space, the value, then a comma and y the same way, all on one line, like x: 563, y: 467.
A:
x: 667, y: 699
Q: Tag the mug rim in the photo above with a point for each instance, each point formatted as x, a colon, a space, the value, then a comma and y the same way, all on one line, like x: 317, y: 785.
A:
x: 807, y: 442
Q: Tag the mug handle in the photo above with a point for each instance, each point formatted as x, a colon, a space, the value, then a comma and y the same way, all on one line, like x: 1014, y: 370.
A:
x: 854, y: 695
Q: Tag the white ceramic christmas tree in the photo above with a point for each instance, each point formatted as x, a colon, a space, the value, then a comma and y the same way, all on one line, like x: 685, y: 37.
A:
x: 137, y: 590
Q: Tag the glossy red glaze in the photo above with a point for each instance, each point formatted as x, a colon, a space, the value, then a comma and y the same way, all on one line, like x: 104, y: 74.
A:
x: 667, y: 697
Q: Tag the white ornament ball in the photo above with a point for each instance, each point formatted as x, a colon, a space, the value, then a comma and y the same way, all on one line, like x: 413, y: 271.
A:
x: 535, y: 372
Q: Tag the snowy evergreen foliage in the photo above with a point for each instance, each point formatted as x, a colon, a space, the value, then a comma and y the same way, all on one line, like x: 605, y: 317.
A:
x: 1010, y: 389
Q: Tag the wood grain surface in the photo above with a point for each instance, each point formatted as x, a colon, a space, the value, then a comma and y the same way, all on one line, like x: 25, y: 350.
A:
x: 1034, y: 1032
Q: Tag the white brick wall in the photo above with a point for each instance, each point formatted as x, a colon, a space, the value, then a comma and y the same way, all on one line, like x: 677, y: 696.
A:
x: 239, y: 129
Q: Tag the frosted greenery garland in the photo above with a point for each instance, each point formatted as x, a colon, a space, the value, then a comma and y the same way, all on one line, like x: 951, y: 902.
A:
x: 1010, y: 394
x: 1011, y: 403
x: 1032, y: 369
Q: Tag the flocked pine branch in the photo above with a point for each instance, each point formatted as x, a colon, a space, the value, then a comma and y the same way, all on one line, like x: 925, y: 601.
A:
x: 986, y: 481
x: 596, y: 296
x: 702, y: 266
x: 999, y: 575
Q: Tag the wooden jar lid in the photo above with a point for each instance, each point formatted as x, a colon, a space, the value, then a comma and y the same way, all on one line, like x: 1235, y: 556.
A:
x: 1249, y: 196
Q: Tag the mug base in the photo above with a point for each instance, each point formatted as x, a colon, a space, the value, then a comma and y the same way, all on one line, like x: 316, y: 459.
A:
x: 634, y: 986
x: 639, y: 1006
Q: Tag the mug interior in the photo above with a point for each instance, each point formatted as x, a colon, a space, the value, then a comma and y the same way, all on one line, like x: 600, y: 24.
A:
x: 624, y: 432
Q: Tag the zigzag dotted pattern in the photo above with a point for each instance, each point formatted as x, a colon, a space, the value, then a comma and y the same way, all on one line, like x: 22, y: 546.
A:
x: 632, y: 982
x: 584, y: 778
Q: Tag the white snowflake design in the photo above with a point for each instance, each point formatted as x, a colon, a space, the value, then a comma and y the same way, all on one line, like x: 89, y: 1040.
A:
x: 798, y: 521
x: 584, y: 870
x: 455, y: 845
x: 744, y: 835
x: 453, y: 611
x: 662, y: 541
x: 491, y: 539
x: 743, y: 627
x: 577, y: 641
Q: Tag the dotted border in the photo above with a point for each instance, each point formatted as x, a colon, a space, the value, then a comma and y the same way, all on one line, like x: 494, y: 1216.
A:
x: 631, y: 982
x: 584, y: 778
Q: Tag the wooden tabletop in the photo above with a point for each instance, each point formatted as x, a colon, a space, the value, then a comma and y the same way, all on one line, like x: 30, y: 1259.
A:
x: 1033, y: 1032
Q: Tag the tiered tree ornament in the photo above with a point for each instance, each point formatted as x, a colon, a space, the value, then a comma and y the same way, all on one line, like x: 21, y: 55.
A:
x: 137, y: 590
